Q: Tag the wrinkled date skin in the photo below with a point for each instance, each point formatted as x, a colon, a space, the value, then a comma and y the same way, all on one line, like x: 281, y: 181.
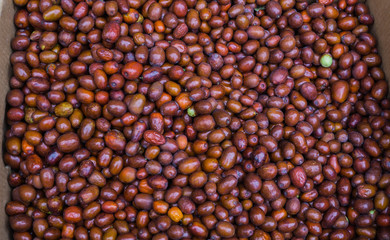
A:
x: 154, y: 137
x: 194, y: 119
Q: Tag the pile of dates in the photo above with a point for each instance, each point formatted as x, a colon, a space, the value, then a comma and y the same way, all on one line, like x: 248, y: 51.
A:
x: 197, y: 119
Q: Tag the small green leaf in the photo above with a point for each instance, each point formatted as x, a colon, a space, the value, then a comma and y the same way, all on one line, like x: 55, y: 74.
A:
x: 191, y: 112
x: 372, y: 211
x: 259, y: 8
x: 140, y: 18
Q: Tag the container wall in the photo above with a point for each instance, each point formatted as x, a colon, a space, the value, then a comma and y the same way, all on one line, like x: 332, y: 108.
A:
x: 6, y: 33
x: 381, y: 29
